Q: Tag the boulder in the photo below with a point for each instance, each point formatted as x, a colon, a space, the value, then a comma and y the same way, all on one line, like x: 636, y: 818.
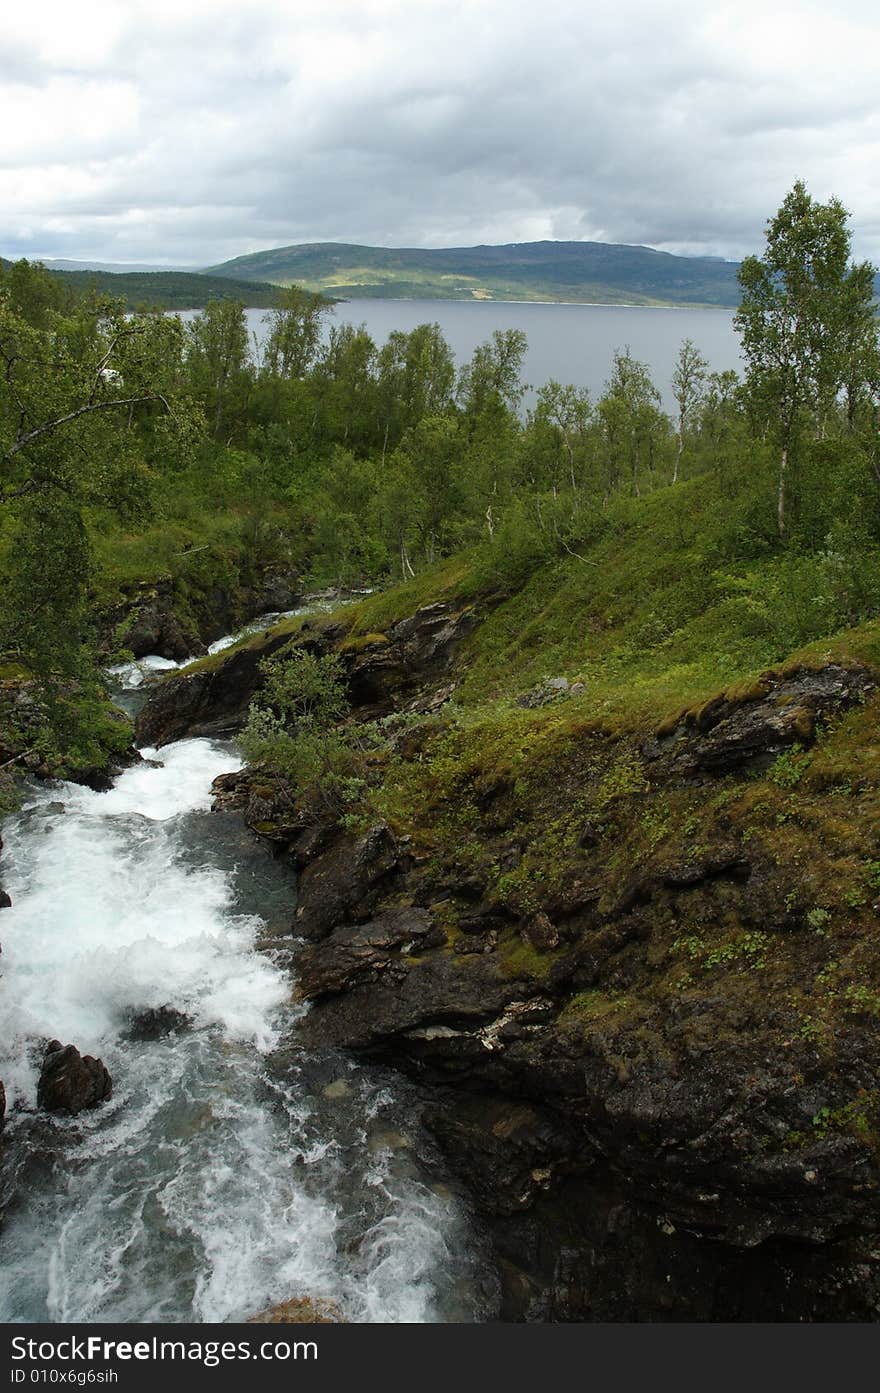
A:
x: 71, y: 1082
x: 545, y: 693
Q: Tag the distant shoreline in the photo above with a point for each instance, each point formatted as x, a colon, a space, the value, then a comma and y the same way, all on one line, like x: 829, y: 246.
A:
x: 572, y: 304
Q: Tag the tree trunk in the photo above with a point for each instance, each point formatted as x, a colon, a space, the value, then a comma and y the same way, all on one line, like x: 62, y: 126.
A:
x: 405, y: 565
x: 780, y: 496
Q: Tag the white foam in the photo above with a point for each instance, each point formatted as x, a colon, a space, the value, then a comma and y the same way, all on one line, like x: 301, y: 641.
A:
x: 108, y: 917
x: 195, y: 1193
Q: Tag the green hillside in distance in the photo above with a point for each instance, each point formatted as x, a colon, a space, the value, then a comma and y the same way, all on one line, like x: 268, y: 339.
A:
x: 168, y: 290
x: 579, y: 272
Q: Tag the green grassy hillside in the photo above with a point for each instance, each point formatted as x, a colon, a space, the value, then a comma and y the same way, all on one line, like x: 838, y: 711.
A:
x: 586, y: 272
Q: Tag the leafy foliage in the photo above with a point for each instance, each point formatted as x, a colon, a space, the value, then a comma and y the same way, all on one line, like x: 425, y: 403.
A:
x: 291, y: 726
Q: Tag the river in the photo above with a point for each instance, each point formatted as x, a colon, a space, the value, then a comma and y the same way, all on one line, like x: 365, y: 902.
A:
x: 230, y: 1170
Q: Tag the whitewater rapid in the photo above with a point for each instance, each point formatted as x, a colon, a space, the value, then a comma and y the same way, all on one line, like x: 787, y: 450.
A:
x: 214, y: 1183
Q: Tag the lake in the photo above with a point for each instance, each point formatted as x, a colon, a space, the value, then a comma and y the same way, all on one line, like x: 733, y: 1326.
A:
x: 573, y: 343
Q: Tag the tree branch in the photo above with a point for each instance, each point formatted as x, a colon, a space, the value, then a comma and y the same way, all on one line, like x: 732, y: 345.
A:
x: 23, y: 441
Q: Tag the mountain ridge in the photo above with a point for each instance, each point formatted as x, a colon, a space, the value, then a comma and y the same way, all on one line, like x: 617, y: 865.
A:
x: 577, y: 272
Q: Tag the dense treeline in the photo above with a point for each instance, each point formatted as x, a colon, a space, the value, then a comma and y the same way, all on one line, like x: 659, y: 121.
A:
x: 168, y: 290
x: 355, y: 461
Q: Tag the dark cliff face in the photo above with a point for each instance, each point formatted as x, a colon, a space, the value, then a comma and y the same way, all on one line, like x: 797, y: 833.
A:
x: 176, y: 620
x: 212, y: 698
x: 622, y: 991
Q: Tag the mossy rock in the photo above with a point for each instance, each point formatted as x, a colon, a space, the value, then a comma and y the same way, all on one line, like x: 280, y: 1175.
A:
x: 742, y: 692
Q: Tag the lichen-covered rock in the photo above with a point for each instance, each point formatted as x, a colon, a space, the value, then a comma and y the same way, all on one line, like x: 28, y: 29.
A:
x: 546, y: 692
x: 70, y: 1082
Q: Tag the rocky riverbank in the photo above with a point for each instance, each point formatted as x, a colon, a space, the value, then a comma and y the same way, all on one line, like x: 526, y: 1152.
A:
x: 633, y: 975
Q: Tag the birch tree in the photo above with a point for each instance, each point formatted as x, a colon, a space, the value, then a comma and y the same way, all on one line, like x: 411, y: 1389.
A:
x: 803, y: 306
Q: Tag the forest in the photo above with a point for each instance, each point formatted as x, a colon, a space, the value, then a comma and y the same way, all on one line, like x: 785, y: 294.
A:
x: 137, y: 446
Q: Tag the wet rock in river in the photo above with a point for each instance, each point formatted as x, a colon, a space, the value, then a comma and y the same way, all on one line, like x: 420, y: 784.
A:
x: 300, y: 1310
x: 353, y: 873
x: 155, y: 1022
x: 71, y: 1082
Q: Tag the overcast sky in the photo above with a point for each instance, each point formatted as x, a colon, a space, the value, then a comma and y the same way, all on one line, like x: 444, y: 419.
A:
x: 190, y: 131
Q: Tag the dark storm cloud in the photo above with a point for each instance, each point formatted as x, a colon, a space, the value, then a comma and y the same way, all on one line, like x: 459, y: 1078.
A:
x: 136, y: 132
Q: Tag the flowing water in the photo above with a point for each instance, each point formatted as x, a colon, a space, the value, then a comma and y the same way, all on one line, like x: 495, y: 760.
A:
x: 230, y: 1170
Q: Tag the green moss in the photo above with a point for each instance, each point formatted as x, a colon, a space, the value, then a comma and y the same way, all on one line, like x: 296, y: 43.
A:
x: 586, y: 1010
x: 14, y: 672
x: 519, y: 959
x: 454, y: 579
x: 362, y: 642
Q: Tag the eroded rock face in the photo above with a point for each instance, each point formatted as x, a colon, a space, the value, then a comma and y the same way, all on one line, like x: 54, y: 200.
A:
x: 419, y: 649
x: 150, y: 624
x: 666, y: 1126
x: 346, y: 881
x: 214, y: 701
x: 750, y: 731
x: 71, y: 1082
x: 618, y: 1131
x: 153, y: 619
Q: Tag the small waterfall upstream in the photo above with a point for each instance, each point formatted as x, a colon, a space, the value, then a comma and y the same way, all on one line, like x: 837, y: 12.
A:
x: 230, y: 1170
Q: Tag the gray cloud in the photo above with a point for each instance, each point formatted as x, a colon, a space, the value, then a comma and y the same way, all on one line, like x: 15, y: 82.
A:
x: 188, y: 134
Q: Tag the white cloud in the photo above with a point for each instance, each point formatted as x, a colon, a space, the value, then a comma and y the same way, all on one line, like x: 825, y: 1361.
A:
x: 192, y: 132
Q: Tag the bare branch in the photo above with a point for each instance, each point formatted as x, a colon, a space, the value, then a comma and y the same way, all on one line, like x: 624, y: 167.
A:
x: 47, y: 426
